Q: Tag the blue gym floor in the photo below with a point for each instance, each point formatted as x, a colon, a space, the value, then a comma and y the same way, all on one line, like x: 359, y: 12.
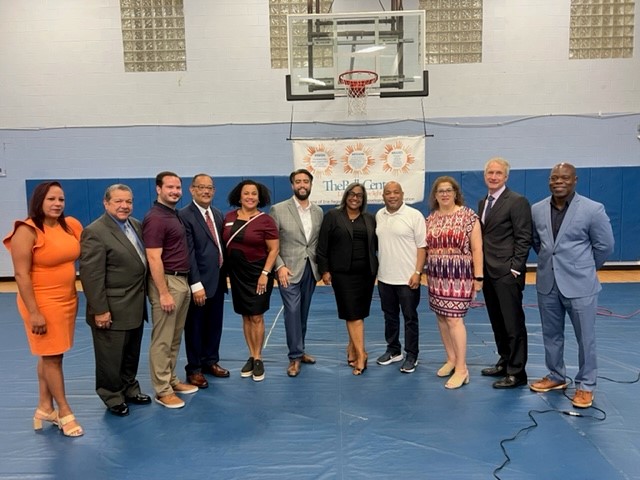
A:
x: 329, y: 424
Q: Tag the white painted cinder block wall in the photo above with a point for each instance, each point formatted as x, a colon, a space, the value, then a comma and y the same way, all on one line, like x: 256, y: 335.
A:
x: 61, y: 67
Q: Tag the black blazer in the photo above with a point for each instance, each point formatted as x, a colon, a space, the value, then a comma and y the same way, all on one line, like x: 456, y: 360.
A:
x: 506, y: 234
x: 203, y: 252
x: 335, y: 242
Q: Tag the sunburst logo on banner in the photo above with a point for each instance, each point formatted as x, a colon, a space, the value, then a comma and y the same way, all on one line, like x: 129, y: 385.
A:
x: 357, y: 159
x: 397, y: 158
x: 319, y: 160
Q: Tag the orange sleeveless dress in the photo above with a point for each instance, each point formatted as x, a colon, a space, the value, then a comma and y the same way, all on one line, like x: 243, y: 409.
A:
x: 53, y: 273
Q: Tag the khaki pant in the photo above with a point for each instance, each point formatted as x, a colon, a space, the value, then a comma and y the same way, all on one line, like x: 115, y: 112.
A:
x: 166, y: 334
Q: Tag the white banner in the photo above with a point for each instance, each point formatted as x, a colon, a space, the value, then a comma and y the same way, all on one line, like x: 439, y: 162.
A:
x: 370, y: 161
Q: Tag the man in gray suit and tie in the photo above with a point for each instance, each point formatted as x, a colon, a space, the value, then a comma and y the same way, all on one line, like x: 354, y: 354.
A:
x: 299, y: 223
x: 572, y: 236
x: 113, y: 271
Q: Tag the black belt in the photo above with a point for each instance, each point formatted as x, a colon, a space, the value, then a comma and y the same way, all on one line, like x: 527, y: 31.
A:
x: 176, y: 274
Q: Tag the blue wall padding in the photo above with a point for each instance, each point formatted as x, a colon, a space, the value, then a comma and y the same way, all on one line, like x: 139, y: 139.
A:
x: 618, y: 188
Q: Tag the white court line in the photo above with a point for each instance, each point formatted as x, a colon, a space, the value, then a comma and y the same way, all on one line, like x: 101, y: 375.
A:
x: 273, y: 325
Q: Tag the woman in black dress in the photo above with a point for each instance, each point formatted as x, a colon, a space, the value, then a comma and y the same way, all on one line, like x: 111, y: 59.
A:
x: 347, y: 259
x: 252, y: 245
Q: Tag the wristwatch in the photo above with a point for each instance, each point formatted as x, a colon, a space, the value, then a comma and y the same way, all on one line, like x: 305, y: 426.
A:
x: 479, y: 279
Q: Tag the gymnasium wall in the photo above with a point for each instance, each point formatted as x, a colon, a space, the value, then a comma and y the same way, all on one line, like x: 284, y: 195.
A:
x: 69, y: 111
x: 615, y: 187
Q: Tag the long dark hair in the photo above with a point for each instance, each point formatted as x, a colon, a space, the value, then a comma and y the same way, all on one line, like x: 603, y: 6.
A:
x: 345, y: 195
x: 36, y: 213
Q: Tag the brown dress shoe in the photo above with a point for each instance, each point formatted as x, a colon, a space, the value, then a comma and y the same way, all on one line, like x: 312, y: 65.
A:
x: 198, y: 380
x: 582, y: 399
x: 307, y: 359
x: 546, y: 385
x: 294, y: 368
x: 217, y: 371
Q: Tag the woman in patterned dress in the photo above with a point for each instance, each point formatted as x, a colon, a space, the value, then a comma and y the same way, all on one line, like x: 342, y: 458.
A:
x: 454, y: 272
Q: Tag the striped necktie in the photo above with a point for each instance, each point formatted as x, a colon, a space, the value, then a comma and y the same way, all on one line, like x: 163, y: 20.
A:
x: 214, y: 233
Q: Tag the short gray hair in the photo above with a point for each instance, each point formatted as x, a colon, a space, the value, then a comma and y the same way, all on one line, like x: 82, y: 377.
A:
x: 116, y: 186
x: 500, y: 161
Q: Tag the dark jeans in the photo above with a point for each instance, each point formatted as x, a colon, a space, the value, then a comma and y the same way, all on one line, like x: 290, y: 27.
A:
x: 394, y: 298
x: 296, y: 300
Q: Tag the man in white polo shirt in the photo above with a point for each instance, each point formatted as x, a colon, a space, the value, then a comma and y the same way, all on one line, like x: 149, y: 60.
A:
x: 401, y: 232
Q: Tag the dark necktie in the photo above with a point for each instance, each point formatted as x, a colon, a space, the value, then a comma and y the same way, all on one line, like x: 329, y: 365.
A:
x: 487, y: 208
x: 214, y: 234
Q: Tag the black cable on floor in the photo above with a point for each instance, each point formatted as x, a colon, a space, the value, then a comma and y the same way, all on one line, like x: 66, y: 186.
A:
x: 621, y: 381
x: 571, y: 413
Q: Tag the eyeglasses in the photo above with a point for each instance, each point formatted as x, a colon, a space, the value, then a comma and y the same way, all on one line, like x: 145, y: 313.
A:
x: 203, y: 188
x: 448, y: 191
x: 353, y: 194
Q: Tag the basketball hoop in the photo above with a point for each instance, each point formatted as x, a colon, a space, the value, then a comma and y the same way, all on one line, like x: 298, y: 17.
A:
x: 357, y: 83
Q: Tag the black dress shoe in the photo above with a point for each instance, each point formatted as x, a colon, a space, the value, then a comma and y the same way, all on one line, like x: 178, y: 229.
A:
x: 493, y: 371
x: 121, y: 410
x: 510, y: 381
x: 139, y: 399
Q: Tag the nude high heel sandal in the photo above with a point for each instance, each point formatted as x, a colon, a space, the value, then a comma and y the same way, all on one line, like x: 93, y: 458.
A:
x: 41, y: 416
x: 71, y: 431
x: 457, y: 381
x: 446, y: 369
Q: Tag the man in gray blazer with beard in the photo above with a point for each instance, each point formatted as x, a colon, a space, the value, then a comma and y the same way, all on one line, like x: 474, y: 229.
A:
x: 299, y: 223
x: 113, y: 271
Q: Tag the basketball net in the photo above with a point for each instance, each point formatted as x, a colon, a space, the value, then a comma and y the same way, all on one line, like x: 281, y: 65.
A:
x: 357, y: 84
x: 356, y: 101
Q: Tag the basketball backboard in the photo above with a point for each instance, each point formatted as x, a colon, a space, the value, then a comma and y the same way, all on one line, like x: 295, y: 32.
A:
x: 324, y: 46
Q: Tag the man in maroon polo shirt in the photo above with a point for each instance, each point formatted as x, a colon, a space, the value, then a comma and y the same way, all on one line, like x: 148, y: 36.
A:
x: 169, y: 294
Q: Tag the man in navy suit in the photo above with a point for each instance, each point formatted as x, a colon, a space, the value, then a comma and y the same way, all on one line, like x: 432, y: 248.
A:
x: 572, y: 236
x: 203, y: 327
x: 506, y: 240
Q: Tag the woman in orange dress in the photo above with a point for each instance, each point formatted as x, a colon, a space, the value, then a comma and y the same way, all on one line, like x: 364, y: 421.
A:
x: 44, y: 248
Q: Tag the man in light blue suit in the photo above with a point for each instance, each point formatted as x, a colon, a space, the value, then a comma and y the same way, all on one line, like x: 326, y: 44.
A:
x: 299, y: 223
x: 572, y: 236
